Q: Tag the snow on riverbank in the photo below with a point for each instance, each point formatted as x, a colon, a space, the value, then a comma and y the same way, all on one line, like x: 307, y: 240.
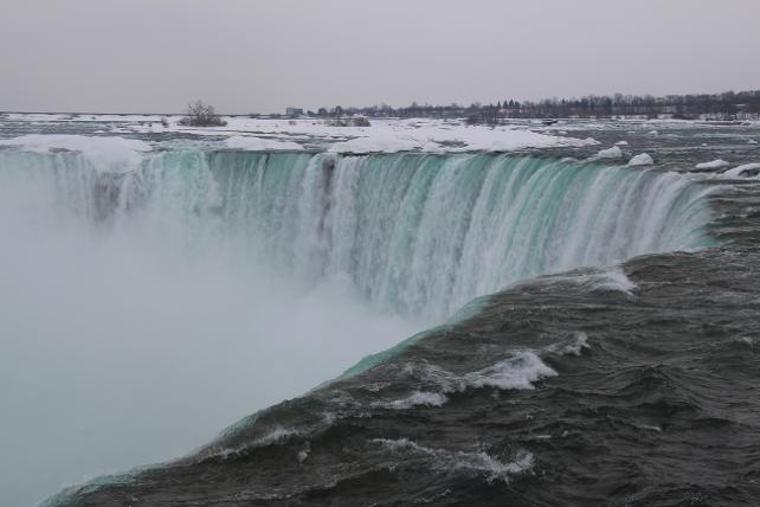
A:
x: 252, y: 143
x: 384, y: 135
x: 390, y: 135
x: 115, y: 153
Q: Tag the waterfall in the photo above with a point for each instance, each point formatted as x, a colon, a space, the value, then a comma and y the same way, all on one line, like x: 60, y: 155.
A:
x: 139, y: 293
x: 415, y: 234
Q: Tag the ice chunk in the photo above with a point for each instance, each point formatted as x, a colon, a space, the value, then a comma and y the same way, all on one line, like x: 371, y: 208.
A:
x: 715, y: 164
x: 641, y: 159
x: 614, y: 152
x: 745, y: 170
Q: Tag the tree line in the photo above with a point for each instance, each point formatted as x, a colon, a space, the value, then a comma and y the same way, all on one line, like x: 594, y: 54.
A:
x: 720, y: 106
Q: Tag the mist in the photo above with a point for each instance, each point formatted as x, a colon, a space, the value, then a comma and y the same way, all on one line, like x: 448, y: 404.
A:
x: 125, y: 345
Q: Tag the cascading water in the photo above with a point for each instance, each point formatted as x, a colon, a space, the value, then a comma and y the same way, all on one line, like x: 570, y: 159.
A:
x: 415, y: 234
x: 147, y: 276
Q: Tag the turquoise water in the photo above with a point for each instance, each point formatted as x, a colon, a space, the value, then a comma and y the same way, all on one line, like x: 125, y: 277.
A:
x: 417, y: 235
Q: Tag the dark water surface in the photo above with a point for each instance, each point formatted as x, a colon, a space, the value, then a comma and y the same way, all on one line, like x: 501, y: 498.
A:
x: 655, y: 402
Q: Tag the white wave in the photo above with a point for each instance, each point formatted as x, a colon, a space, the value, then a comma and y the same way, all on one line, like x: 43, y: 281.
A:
x: 418, y: 398
x: 303, y: 454
x: 275, y: 436
x: 748, y: 340
x: 519, y: 371
x: 611, y: 280
x: 375, y: 387
x: 477, y: 461
x: 574, y: 348
x: 615, y: 280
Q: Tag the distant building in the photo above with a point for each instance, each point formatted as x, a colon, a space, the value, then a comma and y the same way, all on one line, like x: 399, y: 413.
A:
x: 293, y: 111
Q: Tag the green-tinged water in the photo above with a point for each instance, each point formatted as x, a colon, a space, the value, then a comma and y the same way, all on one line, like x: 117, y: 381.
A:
x: 414, y: 234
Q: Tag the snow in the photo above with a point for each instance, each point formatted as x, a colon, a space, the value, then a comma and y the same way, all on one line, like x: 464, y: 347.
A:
x: 384, y: 135
x: 260, y: 144
x: 433, y: 147
x: 715, y: 164
x: 385, y: 144
x: 437, y: 136
x: 268, y: 134
x: 115, y: 154
x: 614, y: 152
x: 736, y: 172
x: 641, y: 159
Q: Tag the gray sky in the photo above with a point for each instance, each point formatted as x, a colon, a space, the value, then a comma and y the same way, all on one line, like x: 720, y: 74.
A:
x: 251, y: 55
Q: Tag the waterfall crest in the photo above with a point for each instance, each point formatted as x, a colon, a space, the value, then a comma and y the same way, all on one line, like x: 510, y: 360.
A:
x: 414, y: 234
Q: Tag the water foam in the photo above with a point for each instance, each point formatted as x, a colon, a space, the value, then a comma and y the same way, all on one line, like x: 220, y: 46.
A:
x: 573, y: 347
x: 521, y: 370
x: 418, y: 398
x: 478, y: 462
x: 615, y: 280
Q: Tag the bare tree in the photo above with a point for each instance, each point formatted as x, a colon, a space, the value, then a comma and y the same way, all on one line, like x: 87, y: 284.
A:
x: 200, y: 114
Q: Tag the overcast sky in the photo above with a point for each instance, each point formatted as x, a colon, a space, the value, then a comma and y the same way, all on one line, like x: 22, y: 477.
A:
x: 263, y: 55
